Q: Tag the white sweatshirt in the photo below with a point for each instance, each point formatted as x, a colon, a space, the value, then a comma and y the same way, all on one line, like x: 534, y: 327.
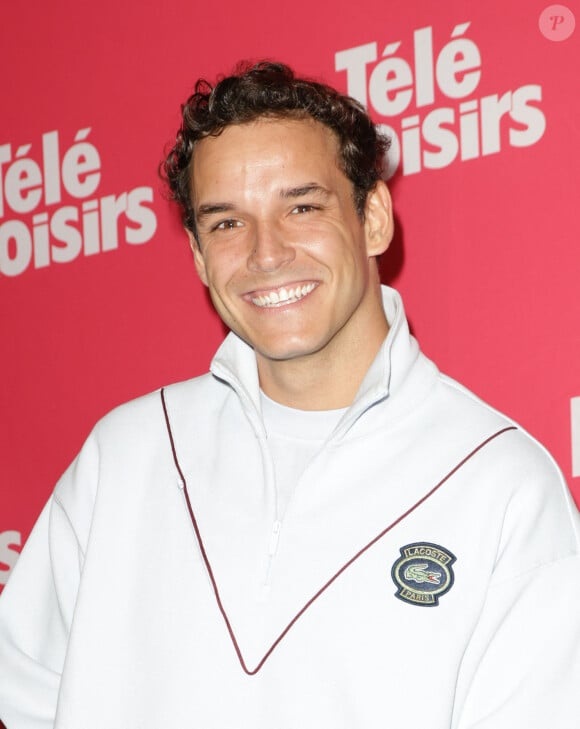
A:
x: 426, y: 572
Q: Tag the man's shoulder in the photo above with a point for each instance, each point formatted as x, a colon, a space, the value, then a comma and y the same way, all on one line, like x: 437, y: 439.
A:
x: 146, y: 411
x: 517, y: 460
x: 468, y: 409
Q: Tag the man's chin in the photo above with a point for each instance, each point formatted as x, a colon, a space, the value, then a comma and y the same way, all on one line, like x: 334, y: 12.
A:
x: 286, y: 353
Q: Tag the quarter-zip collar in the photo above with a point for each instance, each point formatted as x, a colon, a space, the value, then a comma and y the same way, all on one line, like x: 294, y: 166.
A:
x: 235, y: 364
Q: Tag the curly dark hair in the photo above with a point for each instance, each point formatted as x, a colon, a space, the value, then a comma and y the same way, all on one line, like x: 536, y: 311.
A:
x: 272, y: 90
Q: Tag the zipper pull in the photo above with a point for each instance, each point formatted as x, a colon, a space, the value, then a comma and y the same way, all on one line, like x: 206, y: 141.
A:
x: 274, y: 538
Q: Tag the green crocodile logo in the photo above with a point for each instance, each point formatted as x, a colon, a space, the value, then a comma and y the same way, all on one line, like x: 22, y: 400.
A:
x: 420, y: 574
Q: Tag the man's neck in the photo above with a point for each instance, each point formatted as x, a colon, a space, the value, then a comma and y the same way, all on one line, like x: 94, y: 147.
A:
x: 324, y: 380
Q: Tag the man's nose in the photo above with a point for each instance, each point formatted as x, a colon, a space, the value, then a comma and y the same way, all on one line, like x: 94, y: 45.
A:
x: 271, y: 250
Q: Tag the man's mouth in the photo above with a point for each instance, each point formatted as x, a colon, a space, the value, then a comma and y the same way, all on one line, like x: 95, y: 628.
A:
x: 283, y: 296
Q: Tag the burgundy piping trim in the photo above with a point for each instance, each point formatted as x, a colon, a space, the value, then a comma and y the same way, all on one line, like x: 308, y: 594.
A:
x: 334, y: 577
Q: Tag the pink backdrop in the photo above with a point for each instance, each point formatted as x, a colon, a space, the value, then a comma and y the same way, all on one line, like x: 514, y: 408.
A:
x: 99, y: 298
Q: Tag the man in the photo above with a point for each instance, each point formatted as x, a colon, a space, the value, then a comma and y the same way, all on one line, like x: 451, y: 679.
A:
x: 324, y: 532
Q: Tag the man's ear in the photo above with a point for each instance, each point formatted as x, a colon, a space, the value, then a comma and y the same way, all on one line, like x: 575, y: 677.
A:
x: 379, y: 224
x: 197, y: 256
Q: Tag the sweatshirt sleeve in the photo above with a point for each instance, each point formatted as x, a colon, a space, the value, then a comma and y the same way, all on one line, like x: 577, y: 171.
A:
x: 521, y: 668
x: 527, y: 647
x: 38, y: 601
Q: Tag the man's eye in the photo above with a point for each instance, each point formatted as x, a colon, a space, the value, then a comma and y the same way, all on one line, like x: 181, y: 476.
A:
x: 299, y: 209
x: 226, y: 225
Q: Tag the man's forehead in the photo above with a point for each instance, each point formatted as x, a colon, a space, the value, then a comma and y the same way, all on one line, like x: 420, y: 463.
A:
x: 267, y: 155
x: 265, y: 142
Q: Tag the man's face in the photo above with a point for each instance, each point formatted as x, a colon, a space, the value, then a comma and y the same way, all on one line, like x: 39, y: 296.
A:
x: 281, y: 247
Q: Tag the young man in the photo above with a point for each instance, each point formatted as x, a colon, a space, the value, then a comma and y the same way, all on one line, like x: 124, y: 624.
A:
x: 351, y: 540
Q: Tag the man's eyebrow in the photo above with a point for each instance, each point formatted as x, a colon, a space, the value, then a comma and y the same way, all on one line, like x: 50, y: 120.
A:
x: 204, y: 211
x: 303, y: 190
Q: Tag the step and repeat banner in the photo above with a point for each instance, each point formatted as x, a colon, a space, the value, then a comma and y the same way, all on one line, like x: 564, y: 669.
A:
x: 99, y: 297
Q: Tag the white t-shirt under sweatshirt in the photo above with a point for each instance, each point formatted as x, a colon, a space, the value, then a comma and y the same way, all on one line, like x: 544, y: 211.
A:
x: 294, y: 438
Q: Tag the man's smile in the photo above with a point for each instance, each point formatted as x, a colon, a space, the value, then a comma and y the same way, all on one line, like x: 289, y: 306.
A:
x: 283, y: 295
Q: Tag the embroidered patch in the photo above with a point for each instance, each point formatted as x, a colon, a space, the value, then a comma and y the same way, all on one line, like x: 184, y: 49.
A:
x: 423, y: 573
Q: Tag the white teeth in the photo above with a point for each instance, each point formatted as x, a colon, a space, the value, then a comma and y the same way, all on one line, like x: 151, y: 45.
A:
x: 283, y: 296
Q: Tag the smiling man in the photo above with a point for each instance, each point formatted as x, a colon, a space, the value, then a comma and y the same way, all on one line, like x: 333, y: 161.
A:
x: 351, y: 540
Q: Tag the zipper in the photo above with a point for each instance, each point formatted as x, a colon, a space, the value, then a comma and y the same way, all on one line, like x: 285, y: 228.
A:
x: 274, y: 537
x: 272, y: 549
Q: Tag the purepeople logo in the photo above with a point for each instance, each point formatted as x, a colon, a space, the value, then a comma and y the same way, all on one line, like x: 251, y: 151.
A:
x: 37, y: 231
x: 407, y: 82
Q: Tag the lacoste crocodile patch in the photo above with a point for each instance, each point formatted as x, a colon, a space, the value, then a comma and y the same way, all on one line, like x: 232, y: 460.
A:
x: 423, y: 573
